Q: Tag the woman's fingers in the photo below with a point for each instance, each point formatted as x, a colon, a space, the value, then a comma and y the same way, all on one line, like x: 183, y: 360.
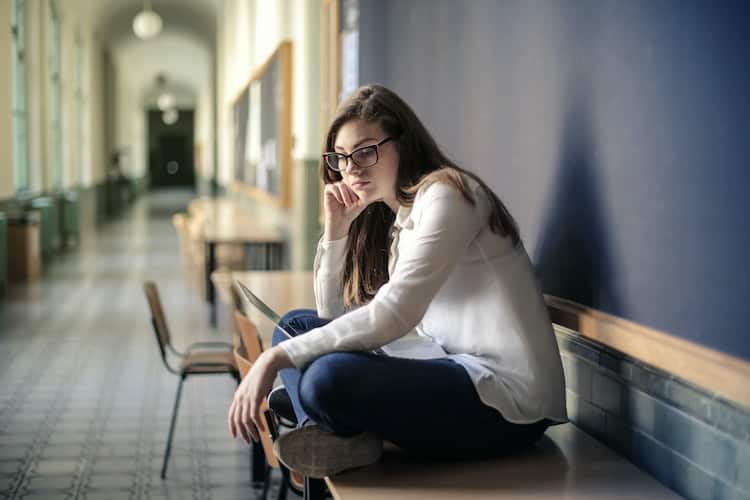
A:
x: 334, y: 190
x: 230, y: 418
x: 353, y: 198
x: 244, y: 423
x: 343, y: 193
x: 245, y: 411
x: 255, y: 417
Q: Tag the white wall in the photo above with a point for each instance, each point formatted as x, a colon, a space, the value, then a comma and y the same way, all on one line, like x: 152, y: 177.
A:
x: 94, y: 157
x: 204, y: 132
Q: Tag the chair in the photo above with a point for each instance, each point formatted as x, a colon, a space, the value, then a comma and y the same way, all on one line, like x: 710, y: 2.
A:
x: 246, y: 354
x: 200, y: 358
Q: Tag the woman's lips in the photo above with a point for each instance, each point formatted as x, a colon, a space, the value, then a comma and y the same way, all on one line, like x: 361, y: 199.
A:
x: 360, y: 184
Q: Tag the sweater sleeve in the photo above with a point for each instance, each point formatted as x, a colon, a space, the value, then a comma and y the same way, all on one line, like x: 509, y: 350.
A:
x: 328, y: 268
x: 442, y: 233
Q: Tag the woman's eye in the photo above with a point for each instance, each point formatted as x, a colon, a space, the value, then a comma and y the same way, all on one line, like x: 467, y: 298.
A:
x: 365, y: 154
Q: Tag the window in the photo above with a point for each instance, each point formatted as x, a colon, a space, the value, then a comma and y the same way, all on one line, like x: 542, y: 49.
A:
x: 20, y: 110
x: 54, y: 112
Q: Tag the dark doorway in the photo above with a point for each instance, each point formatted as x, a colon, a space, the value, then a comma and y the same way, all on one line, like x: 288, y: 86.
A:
x: 171, y: 162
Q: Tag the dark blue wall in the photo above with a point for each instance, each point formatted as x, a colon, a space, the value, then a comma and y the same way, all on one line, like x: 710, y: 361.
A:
x: 618, y: 133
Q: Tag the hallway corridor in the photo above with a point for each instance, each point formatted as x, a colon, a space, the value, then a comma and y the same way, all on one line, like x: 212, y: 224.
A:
x: 85, y: 401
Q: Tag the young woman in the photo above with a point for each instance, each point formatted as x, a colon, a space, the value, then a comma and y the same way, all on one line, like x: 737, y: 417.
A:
x: 412, y: 243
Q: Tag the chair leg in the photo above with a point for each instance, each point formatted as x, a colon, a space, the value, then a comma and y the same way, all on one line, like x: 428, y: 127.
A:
x: 283, y: 488
x: 266, y: 483
x: 258, y: 465
x: 315, y: 489
x: 171, y: 428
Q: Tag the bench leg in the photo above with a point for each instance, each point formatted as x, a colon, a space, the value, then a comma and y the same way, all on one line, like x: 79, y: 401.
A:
x: 283, y: 488
x: 258, y: 471
x: 315, y: 489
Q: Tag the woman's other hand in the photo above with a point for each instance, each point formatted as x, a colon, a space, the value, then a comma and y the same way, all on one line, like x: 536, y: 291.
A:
x: 245, y: 416
x: 341, y: 206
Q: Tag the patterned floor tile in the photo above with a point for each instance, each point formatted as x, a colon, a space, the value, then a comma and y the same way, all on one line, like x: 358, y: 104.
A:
x: 94, y: 425
x: 56, y: 467
x: 45, y: 483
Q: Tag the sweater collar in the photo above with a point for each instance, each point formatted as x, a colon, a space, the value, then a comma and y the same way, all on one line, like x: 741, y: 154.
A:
x: 403, y: 219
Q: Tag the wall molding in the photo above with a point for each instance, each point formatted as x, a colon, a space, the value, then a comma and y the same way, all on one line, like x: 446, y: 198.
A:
x: 717, y: 372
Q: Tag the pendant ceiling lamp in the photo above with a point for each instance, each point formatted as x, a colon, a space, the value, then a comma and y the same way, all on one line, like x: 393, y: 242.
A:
x: 165, y: 101
x: 147, y: 23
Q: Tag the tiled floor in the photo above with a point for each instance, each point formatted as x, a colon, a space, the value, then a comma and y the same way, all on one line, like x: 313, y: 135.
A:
x: 84, y: 399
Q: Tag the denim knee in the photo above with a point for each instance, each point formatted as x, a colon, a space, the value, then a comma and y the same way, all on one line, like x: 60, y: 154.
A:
x: 327, y: 392
x: 292, y: 318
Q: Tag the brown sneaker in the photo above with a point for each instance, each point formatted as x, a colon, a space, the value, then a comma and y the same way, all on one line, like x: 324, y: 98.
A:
x: 313, y: 452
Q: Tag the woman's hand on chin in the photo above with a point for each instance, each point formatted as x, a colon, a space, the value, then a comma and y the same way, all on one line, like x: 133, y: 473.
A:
x: 245, y: 416
x: 341, y: 205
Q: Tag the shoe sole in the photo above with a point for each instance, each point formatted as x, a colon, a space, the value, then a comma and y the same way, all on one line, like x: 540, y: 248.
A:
x: 316, y: 453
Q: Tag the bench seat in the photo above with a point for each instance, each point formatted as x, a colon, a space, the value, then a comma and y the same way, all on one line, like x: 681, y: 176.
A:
x: 565, y: 463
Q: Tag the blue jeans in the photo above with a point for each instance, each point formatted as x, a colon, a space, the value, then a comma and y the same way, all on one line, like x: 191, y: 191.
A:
x: 428, y: 407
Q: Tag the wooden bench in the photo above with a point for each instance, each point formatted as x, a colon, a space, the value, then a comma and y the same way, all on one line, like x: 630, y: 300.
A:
x: 565, y: 463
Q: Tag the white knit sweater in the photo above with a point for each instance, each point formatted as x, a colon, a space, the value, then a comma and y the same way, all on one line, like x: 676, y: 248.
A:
x: 465, y: 287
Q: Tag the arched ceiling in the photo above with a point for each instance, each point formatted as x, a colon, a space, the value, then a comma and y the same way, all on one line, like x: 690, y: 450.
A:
x: 184, y: 62
x: 183, y: 52
x: 113, y: 18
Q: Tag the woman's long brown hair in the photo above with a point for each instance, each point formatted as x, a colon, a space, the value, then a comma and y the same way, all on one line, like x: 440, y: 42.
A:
x: 420, y: 163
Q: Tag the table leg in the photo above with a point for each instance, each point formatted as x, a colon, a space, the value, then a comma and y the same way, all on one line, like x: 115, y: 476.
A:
x: 248, y: 264
x: 210, y: 291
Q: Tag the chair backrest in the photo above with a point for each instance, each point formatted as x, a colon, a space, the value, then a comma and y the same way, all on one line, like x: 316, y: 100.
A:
x: 249, y: 336
x: 158, y: 320
x: 244, y: 365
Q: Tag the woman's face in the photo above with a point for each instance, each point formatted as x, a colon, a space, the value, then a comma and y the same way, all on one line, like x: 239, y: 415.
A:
x: 375, y: 183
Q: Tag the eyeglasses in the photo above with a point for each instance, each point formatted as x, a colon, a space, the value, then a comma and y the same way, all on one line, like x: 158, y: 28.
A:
x: 363, y: 157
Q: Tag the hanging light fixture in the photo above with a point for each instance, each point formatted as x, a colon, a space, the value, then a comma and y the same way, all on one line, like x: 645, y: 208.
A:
x: 165, y: 101
x: 147, y: 23
x: 170, y: 116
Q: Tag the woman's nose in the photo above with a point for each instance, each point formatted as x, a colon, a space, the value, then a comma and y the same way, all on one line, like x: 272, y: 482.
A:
x: 351, y: 166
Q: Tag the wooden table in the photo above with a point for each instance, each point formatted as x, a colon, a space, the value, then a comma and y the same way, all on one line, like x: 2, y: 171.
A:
x: 263, y: 247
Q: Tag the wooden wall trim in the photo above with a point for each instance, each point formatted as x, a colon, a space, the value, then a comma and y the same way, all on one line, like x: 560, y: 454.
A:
x: 717, y: 372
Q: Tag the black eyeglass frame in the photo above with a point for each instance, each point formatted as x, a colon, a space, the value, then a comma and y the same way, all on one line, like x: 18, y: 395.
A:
x: 350, y: 156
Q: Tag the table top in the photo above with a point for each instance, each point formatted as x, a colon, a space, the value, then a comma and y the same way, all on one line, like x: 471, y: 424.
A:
x: 282, y: 291
x: 223, y: 220
x: 240, y: 230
